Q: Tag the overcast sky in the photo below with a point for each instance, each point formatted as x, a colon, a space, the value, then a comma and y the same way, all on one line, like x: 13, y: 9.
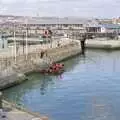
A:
x: 80, y: 8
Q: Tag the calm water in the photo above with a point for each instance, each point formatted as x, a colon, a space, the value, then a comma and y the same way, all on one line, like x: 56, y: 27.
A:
x: 88, y: 90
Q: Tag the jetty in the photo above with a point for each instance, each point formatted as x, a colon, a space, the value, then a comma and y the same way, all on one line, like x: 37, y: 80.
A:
x: 105, y: 44
x: 13, y: 70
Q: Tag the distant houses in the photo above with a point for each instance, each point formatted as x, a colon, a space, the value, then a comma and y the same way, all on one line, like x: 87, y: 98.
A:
x: 107, y: 28
x: 116, y: 20
x: 104, y: 28
x: 37, y: 25
x: 52, y: 23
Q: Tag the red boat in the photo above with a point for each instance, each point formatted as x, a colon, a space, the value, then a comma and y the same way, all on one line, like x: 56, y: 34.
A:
x: 55, y: 68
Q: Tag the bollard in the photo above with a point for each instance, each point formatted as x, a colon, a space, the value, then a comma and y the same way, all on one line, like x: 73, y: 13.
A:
x: 0, y: 100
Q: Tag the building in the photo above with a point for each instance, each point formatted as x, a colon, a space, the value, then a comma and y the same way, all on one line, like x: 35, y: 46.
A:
x: 116, y: 20
x: 107, y: 28
x: 92, y: 26
x: 104, y: 21
x: 39, y: 25
x: 55, y: 23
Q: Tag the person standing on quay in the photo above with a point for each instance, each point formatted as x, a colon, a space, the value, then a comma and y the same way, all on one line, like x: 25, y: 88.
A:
x: 83, y: 43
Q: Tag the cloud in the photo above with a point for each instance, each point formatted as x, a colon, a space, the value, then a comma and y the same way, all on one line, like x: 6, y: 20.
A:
x: 83, y: 8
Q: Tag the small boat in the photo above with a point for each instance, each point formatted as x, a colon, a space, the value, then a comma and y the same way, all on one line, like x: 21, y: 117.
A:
x: 55, y: 68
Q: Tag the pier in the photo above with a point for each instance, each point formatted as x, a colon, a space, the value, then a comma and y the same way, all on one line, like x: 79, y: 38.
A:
x: 103, y: 44
x: 14, y: 68
x: 12, y: 71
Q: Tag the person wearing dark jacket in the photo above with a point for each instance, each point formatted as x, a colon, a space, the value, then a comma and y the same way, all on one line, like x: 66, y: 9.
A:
x: 83, y: 44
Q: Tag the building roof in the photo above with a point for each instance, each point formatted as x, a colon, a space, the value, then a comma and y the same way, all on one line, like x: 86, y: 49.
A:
x: 111, y: 26
x: 52, y: 20
x: 92, y: 23
x: 55, y: 21
x: 60, y: 21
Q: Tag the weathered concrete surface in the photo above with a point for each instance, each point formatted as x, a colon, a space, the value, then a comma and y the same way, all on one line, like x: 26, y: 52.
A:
x: 16, y: 72
x: 12, y: 112
x: 11, y: 80
x: 103, y: 44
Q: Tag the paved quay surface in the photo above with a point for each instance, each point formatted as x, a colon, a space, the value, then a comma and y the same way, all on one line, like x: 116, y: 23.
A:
x: 103, y: 43
x: 11, y: 113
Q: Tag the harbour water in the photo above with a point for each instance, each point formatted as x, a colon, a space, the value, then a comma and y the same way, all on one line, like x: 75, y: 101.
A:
x: 89, y: 89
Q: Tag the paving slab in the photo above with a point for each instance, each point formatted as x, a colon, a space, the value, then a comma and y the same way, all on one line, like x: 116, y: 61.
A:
x: 10, y: 112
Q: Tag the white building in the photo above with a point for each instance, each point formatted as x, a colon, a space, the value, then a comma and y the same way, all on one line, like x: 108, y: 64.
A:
x: 116, y: 20
x: 107, y: 28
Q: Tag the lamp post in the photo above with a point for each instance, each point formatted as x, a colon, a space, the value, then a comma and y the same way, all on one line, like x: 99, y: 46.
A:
x: 15, y: 42
x: 23, y: 43
x: 26, y: 39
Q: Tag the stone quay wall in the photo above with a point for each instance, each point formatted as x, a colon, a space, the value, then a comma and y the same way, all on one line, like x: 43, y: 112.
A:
x: 12, y: 73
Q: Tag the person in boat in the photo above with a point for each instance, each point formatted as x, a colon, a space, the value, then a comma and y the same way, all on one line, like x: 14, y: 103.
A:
x: 51, y: 67
x: 55, y: 66
x: 50, y: 70
x: 55, y: 69
x: 59, y: 65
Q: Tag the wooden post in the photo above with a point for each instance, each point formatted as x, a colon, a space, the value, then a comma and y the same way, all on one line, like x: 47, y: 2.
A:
x: 0, y: 100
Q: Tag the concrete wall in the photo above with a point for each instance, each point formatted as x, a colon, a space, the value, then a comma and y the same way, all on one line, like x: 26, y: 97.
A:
x: 11, y: 74
x: 103, y: 43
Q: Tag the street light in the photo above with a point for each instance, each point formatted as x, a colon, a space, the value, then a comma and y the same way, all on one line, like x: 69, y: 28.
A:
x: 23, y: 43
x: 26, y: 22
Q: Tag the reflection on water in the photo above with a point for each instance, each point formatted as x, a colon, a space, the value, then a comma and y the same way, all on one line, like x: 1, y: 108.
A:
x: 89, y: 89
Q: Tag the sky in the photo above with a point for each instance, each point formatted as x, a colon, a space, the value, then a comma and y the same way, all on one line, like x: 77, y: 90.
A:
x: 62, y: 8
